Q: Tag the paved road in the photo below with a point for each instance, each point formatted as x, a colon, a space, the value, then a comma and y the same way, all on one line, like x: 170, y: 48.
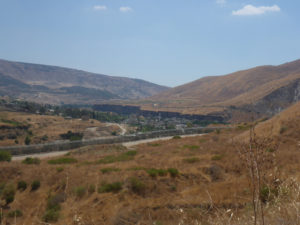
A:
x: 127, y: 144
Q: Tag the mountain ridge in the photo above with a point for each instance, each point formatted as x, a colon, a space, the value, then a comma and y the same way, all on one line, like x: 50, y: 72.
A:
x: 58, y: 79
x: 243, y: 88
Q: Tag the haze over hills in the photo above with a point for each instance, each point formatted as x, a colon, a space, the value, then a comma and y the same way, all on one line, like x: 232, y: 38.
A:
x: 265, y: 90
x: 56, y: 85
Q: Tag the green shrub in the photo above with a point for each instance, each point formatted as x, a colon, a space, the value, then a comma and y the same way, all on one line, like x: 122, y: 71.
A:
x: 216, y: 157
x: 22, y: 185
x: 173, y: 172
x: 152, y: 172
x: 79, y: 191
x: 35, y: 185
x: 191, y: 160
x: 136, y: 168
x: 267, y: 193
x: 118, y: 158
x: 53, y: 202
x: 5, y: 156
x: 27, y: 140
x: 154, y: 144
x: 91, y: 188
x: 157, y: 172
x: 15, y: 213
x: 30, y: 160
x: 72, y: 136
x: 109, y: 169
x: 130, y: 153
x: 112, y: 187
x: 63, y: 160
x: 51, y: 215
x: 162, y: 172
x: 59, y: 169
x: 177, y: 137
x: 8, y: 193
x: 137, y: 186
x: 173, y: 188
x: 191, y: 147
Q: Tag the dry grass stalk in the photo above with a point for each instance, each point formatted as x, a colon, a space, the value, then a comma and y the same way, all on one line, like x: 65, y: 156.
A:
x: 258, y: 155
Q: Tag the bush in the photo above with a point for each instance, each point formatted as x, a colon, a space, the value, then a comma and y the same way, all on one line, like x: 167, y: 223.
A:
x: 27, y: 140
x: 152, y: 172
x: 30, y: 160
x: 53, y: 208
x: 191, y: 160
x: 8, y: 193
x: 22, y: 185
x: 79, y: 191
x: 35, y: 185
x: 119, y: 158
x: 216, y: 157
x: 59, y: 169
x: 157, y: 172
x: 5, y: 156
x: 15, y: 213
x: 173, y: 172
x: 51, y: 215
x: 137, y: 186
x: 109, y: 169
x: 215, y: 172
x: 64, y: 160
x: 177, y: 137
x: 91, y: 188
x: 53, y: 202
x: 112, y: 187
x: 191, y: 147
x: 71, y: 136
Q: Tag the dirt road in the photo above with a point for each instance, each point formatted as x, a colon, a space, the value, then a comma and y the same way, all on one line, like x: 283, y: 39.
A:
x: 127, y: 144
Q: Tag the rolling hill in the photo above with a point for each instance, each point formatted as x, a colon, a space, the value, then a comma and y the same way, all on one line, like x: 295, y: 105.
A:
x: 264, y: 90
x: 56, y: 85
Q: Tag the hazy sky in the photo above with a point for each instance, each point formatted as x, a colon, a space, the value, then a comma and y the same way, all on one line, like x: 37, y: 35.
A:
x: 168, y: 42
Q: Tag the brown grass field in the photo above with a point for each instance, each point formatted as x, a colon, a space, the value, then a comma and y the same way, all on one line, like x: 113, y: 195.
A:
x: 212, y: 186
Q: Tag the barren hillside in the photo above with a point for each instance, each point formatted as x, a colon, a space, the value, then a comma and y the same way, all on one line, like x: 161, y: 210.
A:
x: 52, y: 84
x: 265, y: 89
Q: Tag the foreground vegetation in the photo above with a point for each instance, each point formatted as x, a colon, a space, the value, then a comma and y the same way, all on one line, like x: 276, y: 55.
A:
x: 198, y: 180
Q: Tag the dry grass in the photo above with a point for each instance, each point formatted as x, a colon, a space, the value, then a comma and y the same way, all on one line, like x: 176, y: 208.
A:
x: 50, y: 126
x: 205, y: 192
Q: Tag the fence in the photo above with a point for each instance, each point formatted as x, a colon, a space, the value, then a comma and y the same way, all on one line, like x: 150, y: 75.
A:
x: 67, y: 145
